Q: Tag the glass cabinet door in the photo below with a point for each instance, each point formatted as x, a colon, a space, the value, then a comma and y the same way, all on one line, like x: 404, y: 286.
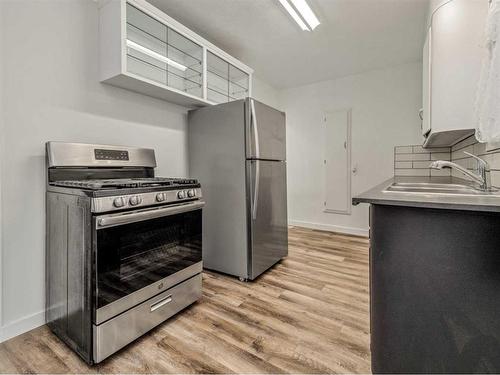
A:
x: 225, y: 82
x: 159, y: 53
x: 238, y: 83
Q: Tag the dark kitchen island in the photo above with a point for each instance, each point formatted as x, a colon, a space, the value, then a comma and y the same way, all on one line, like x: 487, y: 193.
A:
x: 434, y: 282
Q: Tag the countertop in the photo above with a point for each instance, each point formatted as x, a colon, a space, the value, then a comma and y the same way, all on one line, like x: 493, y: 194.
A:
x: 377, y: 195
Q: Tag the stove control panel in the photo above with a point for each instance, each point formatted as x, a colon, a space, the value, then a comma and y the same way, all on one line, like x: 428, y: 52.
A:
x: 101, y: 154
x: 113, y: 203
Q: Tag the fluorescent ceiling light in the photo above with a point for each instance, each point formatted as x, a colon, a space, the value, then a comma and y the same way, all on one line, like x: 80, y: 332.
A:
x: 306, y: 13
x: 294, y: 14
x: 155, y: 55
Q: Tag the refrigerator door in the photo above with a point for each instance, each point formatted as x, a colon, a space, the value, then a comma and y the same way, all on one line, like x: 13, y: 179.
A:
x: 265, y: 132
x: 267, y: 214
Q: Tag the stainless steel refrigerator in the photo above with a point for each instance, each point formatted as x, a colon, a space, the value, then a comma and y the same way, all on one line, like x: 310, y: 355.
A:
x: 238, y: 152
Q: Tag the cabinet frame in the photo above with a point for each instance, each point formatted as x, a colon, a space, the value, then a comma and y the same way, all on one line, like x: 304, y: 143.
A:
x: 113, y: 54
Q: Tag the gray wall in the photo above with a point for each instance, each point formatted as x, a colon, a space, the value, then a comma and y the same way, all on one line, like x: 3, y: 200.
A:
x: 50, y: 80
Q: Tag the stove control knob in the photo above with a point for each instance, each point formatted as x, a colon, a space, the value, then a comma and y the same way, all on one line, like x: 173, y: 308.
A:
x: 181, y: 195
x: 191, y: 193
x: 119, y: 202
x: 161, y: 197
x: 135, y: 200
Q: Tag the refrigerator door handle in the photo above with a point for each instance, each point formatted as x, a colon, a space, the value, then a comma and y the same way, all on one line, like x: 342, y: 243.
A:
x: 256, y: 189
x: 255, y: 129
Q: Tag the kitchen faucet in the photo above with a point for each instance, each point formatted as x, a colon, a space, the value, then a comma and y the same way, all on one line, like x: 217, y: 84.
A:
x: 482, y: 177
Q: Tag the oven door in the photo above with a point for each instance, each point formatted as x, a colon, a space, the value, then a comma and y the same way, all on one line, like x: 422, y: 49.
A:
x: 139, y: 254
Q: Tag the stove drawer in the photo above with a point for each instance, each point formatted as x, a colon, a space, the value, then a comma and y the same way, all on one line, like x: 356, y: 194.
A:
x: 125, y: 328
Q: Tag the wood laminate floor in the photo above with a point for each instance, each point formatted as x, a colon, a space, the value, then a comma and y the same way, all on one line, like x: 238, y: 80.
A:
x: 308, y: 314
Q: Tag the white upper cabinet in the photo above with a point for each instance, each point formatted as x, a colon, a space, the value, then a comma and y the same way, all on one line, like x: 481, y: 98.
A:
x: 426, y: 84
x: 225, y: 82
x: 452, y: 59
x: 144, y: 50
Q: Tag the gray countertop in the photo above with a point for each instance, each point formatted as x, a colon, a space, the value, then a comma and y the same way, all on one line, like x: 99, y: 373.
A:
x: 377, y: 195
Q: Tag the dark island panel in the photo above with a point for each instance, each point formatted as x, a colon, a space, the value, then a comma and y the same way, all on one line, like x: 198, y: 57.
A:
x: 435, y: 290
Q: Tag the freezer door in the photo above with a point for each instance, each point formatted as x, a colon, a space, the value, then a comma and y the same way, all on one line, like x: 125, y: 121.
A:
x: 267, y: 214
x: 265, y: 133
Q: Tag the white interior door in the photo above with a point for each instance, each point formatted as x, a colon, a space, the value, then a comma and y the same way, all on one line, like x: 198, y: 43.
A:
x: 337, y: 161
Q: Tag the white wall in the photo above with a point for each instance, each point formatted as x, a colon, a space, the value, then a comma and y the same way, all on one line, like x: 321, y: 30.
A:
x: 265, y: 93
x: 2, y: 142
x: 51, y: 81
x: 51, y: 78
x: 384, y: 114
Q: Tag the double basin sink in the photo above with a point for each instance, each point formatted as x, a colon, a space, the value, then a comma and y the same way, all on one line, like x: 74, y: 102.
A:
x: 437, y: 188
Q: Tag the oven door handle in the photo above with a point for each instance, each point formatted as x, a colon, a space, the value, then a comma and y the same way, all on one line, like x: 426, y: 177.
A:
x: 132, y: 217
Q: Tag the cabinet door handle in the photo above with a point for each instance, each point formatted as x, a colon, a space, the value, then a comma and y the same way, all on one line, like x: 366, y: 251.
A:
x: 421, y: 114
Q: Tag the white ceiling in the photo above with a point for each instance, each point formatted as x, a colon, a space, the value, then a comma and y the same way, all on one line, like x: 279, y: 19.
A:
x: 354, y: 35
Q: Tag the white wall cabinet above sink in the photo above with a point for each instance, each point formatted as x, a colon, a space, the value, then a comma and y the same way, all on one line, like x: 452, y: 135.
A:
x: 144, y: 50
x: 452, y: 59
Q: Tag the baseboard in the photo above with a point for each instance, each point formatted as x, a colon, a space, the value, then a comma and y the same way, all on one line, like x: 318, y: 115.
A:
x: 330, y: 228
x: 22, y: 325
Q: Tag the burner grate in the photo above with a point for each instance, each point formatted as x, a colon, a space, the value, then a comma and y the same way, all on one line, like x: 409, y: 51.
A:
x: 121, y: 183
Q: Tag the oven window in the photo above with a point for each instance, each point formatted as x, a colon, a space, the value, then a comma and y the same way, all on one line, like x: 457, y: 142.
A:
x: 132, y: 256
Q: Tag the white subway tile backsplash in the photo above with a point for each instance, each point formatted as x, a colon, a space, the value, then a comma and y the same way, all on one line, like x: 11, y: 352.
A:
x: 492, y: 159
x: 441, y: 156
x: 460, y: 154
x: 479, y: 148
x: 468, y: 163
x: 415, y: 160
x: 403, y: 149
x: 440, y: 149
x: 403, y: 165
x: 455, y: 173
x: 464, y: 143
x: 495, y: 178
x: 420, y: 150
x: 440, y: 172
x: 411, y: 172
x: 471, y: 145
x: 411, y: 157
x: 421, y: 164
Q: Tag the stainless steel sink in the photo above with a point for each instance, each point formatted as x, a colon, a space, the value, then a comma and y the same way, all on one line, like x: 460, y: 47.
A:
x: 435, y: 188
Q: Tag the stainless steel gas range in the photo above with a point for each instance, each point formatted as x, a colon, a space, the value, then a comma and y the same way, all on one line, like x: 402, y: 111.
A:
x: 124, y: 248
